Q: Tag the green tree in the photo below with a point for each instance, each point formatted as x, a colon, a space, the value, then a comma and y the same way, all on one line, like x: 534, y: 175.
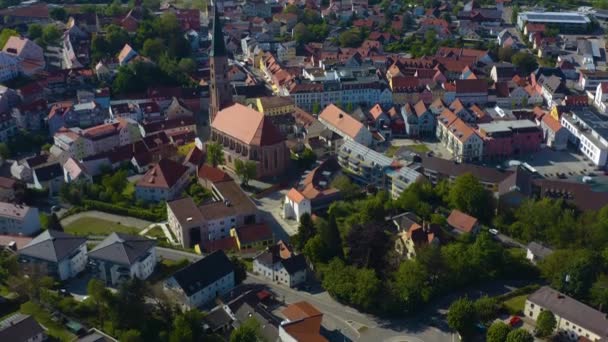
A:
x: 58, y: 13
x: 347, y: 188
x: 50, y: 34
x: 306, y: 231
x: 497, y: 332
x: 330, y: 236
x: 246, y: 170
x: 486, y: 308
x: 5, y: 34
x: 99, y: 294
x: 153, y: 48
x: 525, y: 62
x: 249, y: 331
x: 411, y: 284
x: 545, y: 323
x: 4, y: 151
x: 469, y: 196
x: 34, y: 31
x: 116, y: 38
x: 215, y: 154
x: 316, y: 107
x: 519, y: 335
x: 131, y: 335
x: 599, y: 292
x: 187, y: 65
x: 462, y: 317
x: 505, y: 54
x: 187, y: 327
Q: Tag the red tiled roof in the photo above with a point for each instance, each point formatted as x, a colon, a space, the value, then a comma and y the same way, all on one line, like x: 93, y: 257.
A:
x: 471, y: 86
x: 461, y: 221
x: 253, y: 127
x: 212, y: 174
x: 165, y: 174
x: 253, y: 233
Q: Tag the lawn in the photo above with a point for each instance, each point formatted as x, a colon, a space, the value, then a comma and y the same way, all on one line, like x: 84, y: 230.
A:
x: 516, y: 304
x: 157, y: 233
x: 419, y: 148
x: 92, y: 226
x: 43, y: 317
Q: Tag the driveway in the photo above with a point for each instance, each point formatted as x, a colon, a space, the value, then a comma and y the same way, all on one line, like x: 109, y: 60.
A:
x: 124, y: 220
x: 270, y: 206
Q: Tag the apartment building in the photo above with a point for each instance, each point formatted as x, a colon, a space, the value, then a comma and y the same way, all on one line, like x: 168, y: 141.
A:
x: 17, y: 219
x: 502, y: 139
x: 575, y: 319
x: 566, y: 22
x: 588, y: 131
x: 459, y: 138
x: 165, y: 181
x: 55, y: 254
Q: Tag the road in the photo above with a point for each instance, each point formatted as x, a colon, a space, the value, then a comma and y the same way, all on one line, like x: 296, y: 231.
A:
x: 174, y: 254
x: 124, y: 220
x: 505, y: 240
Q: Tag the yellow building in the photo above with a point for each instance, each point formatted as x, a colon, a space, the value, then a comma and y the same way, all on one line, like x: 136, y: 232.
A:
x: 275, y: 105
x: 252, y: 236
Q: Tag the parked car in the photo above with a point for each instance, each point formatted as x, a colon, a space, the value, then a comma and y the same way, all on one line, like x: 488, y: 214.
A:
x: 493, y: 231
x: 514, y: 321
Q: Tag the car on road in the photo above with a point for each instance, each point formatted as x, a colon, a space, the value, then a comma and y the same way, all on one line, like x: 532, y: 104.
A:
x: 515, y: 321
x: 493, y: 231
x: 55, y: 208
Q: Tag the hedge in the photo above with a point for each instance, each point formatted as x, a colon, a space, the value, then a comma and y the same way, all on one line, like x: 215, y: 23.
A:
x: 143, y: 214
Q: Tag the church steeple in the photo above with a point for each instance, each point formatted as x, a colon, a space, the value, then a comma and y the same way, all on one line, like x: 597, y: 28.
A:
x: 218, y: 47
x: 220, y: 92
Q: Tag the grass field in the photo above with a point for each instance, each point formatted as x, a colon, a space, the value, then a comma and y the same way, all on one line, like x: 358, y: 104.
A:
x: 419, y: 148
x: 43, y: 317
x: 390, y: 151
x: 92, y: 226
x: 516, y: 304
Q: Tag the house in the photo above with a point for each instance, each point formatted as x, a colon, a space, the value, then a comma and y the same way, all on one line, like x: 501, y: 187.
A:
x: 601, y: 97
x: 255, y: 139
x: 74, y: 171
x: 163, y: 182
x: 9, y: 66
x: 345, y: 125
x: 314, y: 192
x: 21, y: 328
x: 48, y: 177
x: 536, y: 252
x: 95, y: 335
x: 412, y: 237
x: 126, y: 54
x: 419, y: 120
x: 302, y: 323
x: 120, y: 257
x: 590, y: 79
x: 203, y: 281
x: 18, y: 219
x: 275, y: 105
x: 502, y: 72
x: 214, y: 219
x: 462, y: 223
x: 54, y: 253
x: 575, y: 320
x: 458, y: 137
x: 515, y: 189
x: 279, y: 264
x: 555, y: 135
x: 472, y: 91
x: 29, y: 54
x: 252, y: 236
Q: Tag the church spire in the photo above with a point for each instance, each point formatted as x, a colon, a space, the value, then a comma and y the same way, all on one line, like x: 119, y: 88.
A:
x: 218, y: 47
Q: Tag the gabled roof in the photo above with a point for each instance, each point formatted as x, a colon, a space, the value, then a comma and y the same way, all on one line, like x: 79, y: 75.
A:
x: 165, y: 174
x: 213, y: 174
x: 52, y: 245
x: 197, y: 276
x: 253, y: 127
x: 471, y: 86
x: 461, y: 221
x: 341, y: 120
x: 19, y: 327
x: 122, y: 249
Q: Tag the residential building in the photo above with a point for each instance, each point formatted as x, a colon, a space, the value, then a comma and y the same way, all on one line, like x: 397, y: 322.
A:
x: 575, y: 319
x: 21, y: 328
x: 121, y: 257
x: 368, y: 167
x: 459, y: 138
x: 29, y: 54
x: 275, y: 105
x: 536, y: 252
x: 203, y: 281
x: 80, y: 115
x: 302, y: 323
x: 18, y: 219
x: 252, y: 236
x: 279, y: 264
x: 419, y: 120
x: 554, y: 134
x: 75, y: 171
x: 48, y: 177
x: 462, y: 223
x: 126, y: 54
x: 255, y: 139
x: 472, y: 91
x: 346, y: 126
x: 314, y: 192
x: 566, y: 22
x: 412, y: 236
x: 212, y: 220
x: 54, y: 253
x: 590, y: 79
x: 502, y: 139
x: 9, y: 66
x: 589, y: 132
x: 601, y: 97
x: 163, y: 182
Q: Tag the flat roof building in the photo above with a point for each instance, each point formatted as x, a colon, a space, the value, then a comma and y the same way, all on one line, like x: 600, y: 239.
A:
x: 565, y: 21
x: 589, y: 131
